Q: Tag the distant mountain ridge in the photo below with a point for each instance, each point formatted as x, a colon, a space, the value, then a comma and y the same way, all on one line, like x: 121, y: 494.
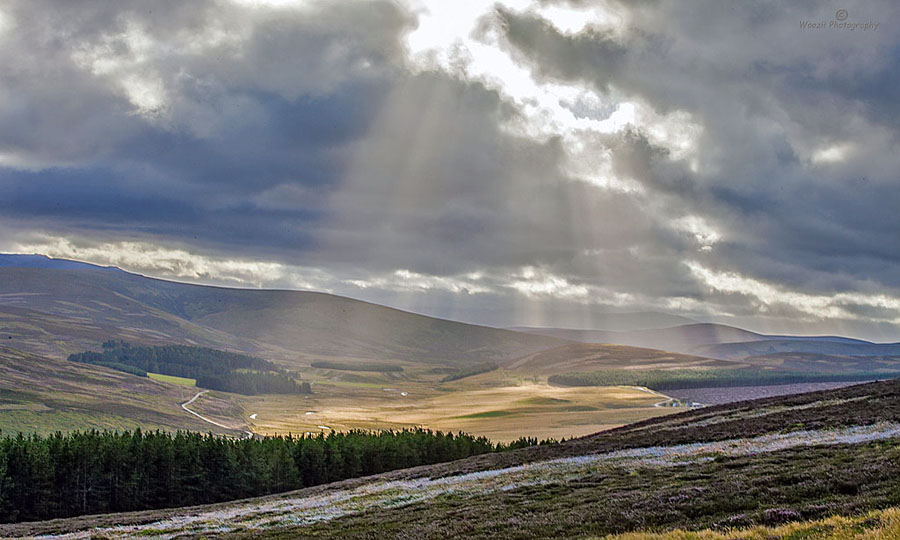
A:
x: 676, y: 338
x: 723, y: 341
x: 43, y: 261
x: 622, y: 322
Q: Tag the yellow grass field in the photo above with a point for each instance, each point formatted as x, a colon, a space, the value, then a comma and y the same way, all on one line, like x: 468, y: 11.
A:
x: 499, y: 405
x: 172, y: 379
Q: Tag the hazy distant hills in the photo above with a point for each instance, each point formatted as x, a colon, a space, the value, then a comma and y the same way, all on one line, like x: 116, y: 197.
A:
x: 722, y: 341
x: 615, y: 322
x: 683, y: 338
x: 54, y: 308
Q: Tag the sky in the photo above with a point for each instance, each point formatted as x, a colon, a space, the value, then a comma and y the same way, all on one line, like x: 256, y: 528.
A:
x: 519, y: 162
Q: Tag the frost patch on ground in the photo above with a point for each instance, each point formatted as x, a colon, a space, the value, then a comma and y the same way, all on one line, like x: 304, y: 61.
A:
x: 714, y: 418
x: 317, y: 508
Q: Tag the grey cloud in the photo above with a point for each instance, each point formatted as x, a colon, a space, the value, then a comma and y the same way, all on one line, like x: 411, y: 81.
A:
x: 766, y: 93
x: 255, y: 100
x: 302, y: 136
x: 593, y: 55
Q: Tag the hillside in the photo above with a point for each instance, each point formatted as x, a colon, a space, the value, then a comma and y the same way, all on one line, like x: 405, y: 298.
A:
x: 57, y: 311
x: 765, y: 462
x: 771, y: 346
x: 682, y: 338
x: 597, y: 356
x: 617, y: 322
x: 834, y: 363
x: 43, y: 395
x: 53, y: 312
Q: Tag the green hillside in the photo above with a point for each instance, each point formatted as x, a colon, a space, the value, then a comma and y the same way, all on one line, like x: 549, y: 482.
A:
x: 43, y: 395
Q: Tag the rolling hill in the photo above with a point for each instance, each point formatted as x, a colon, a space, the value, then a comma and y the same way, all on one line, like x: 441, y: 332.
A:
x: 774, y: 463
x: 55, y: 310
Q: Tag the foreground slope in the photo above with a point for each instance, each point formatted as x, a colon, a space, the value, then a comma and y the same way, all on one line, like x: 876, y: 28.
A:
x: 768, y: 461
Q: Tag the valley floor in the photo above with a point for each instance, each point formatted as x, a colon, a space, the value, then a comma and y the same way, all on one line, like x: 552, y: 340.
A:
x: 499, y: 405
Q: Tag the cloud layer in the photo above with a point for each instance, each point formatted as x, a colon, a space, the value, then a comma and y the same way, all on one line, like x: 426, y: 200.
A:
x: 537, y: 163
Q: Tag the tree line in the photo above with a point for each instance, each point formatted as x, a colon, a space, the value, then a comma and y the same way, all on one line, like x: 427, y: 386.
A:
x: 471, y: 371
x: 64, y: 475
x: 211, y: 368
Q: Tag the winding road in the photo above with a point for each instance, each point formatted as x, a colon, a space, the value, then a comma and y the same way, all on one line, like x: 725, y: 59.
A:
x: 655, y: 393
x: 205, y: 419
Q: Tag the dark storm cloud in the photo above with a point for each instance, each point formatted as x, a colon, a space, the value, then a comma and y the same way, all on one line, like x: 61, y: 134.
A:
x: 253, y: 100
x: 592, y: 54
x: 768, y: 95
x: 304, y: 136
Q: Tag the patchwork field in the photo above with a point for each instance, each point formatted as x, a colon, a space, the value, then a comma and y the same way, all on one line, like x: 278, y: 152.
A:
x: 499, y: 405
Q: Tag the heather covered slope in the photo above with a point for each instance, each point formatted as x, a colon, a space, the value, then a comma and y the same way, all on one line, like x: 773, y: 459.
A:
x: 765, y: 462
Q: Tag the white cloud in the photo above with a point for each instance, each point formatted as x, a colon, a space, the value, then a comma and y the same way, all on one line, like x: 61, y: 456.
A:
x: 536, y: 282
x: 409, y: 281
x: 700, y: 230
x: 156, y: 260
x: 834, y: 153
x: 769, y: 296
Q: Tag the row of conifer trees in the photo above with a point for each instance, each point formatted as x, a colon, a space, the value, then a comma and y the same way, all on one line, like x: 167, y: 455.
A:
x: 64, y: 475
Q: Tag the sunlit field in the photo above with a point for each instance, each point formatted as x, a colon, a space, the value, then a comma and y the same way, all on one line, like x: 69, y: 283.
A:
x: 499, y: 405
x: 173, y: 379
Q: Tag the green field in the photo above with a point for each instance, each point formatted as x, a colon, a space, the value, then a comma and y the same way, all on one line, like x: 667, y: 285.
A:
x: 172, y: 379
